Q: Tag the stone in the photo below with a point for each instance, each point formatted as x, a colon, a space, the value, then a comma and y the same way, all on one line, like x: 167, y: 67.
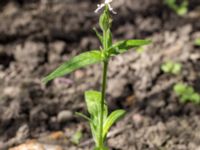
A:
x: 56, y: 49
x: 64, y: 116
x: 116, y: 87
x: 34, y: 145
x: 30, y: 54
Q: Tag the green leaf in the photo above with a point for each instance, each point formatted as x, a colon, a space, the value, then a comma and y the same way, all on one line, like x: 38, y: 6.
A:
x: 93, y: 101
x: 180, y: 88
x: 83, y: 116
x: 171, y: 67
x: 195, y: 97
x: 177, y: 68
x: 95, y: 128
x: 167, y: 67
x: 112, y: 118
x: 125, y: 45
x: 77, y: 62
x: 170, y: 3
x: 186, y: 93
x: 185, y: 98
x: 189, y: 91
x: 100, y: 37
x: 181, y: 9
x: 109, y: 38
x: 76, y: 137
x: 104, y: 20
x: 197, y: 42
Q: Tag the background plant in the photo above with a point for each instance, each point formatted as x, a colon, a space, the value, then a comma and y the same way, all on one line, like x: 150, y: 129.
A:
x: 100, y: 121
x: 197, y: 42
x: 180, y: 9
x: 171, y: 67
x: 186, y: 93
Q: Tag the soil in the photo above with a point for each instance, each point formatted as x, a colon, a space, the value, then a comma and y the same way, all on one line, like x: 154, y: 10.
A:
x: 37, y: 35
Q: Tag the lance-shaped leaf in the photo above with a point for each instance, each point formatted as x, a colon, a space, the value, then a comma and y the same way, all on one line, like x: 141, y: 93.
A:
x: 112, y: 118
x: 100, y: 37
x: 108, y: 39
x: 93, y: 101
x: 83, y: 116
x: 104, y: 20
x: 123, y: 46
x: 77, y: 62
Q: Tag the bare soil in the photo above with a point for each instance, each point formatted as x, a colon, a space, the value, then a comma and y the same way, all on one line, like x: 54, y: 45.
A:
x: 36, y: 36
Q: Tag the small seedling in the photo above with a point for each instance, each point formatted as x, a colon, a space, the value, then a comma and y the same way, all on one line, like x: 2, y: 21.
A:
x: 171, y: 67
x: 197, y: 42
x: 100, y: 121
x: 76, y: 137
x: 186, y: 93
x: 180, y: 9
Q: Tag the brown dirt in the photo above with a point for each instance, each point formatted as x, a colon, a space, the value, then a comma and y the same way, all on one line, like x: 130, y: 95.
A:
x: 36, y: 36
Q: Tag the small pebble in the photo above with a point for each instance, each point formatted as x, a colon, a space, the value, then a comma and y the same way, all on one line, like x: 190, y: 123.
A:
x: 64, y: 116
x: 137, y: 118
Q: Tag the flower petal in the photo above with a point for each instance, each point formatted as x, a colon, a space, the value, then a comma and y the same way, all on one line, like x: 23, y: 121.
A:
x: 111, y: 9
x: 99, y: 7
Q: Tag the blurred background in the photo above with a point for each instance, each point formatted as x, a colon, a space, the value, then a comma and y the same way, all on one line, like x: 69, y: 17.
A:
x: 158, y: 85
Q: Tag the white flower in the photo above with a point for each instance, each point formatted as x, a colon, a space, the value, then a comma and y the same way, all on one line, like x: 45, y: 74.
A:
x: 107, y: 2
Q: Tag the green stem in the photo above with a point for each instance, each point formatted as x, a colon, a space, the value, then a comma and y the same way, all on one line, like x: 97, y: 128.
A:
x: 103, y: 92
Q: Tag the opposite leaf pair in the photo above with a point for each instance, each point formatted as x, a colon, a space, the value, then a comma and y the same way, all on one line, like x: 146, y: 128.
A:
x: 93, y: 101
x: 97, y: 56
x: 92, y: 57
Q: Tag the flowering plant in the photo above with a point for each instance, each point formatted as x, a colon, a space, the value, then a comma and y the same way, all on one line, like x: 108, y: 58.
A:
x: 100, y: 121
